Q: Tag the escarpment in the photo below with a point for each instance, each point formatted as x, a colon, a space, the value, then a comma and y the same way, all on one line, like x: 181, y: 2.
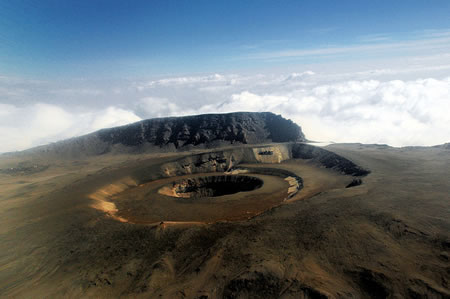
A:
x: 172, y: 134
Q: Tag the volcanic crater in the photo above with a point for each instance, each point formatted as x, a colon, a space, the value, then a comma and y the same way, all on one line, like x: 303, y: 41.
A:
x: 223, y: 206
x: 211, y: 186
x: 228, y: 185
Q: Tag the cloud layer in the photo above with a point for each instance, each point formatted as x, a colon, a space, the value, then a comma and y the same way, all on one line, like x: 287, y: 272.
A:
x: 25, y: 127
x: 395, y: 112
x: 367, y: 107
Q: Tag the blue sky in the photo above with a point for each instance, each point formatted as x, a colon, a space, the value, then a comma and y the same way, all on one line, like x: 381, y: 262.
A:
x: 150, y: 38
x: 346, y: 71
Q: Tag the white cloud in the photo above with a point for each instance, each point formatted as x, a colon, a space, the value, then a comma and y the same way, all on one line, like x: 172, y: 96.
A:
x: 110, y: 117
x: 78, y: 91
x: 176, y: 81
x: 24, y: 127
x: 361, y: 106
x: 297, y: 76
x: 151, y: 107
x: 395, y: 112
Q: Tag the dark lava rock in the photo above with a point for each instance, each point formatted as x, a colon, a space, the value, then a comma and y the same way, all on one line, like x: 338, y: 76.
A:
x: 355, y: 182
x: 265, y: 153
x: 182, y: 133
x: 371, y: 283
x: 327, y: 159
x: 24, y: 168
x: 242, y: 127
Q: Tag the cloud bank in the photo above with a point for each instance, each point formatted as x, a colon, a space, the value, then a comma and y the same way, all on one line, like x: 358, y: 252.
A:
x: 25, y: 127
x: 394, y: 112
x: 366, y: 107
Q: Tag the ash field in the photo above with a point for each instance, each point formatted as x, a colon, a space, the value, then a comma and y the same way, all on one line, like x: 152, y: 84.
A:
x: 223, y: 206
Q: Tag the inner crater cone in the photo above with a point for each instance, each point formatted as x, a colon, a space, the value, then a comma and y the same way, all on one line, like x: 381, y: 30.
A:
x: 213, y: 186
x: 201, y: 198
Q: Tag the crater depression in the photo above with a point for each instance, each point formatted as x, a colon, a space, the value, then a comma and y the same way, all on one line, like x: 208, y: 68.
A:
x: 211, y: 186
x: 227, y: 185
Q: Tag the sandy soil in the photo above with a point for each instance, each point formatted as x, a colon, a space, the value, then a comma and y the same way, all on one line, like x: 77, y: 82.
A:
x: 389, y: 237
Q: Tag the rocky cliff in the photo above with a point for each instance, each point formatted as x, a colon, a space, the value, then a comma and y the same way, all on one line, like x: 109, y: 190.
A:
x: 182, y: 133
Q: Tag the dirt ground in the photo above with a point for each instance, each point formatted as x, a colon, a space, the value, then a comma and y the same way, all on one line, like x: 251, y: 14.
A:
x: 386, y: 238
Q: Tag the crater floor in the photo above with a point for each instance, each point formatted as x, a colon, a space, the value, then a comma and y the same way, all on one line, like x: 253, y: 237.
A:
x: 211, y: 186
x: 153, y: 202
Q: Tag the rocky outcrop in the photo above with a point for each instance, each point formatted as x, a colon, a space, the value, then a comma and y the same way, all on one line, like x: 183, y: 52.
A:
x: 182, y: 133
x: 327, y: 159
x: 23, y: 168
x: 241, y: 127
x: 354, y: 183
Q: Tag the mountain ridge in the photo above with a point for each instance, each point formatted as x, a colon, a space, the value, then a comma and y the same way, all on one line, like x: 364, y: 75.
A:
x: 180, y: 134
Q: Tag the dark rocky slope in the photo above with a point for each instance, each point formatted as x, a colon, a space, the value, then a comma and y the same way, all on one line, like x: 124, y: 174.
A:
x: 181, y: 133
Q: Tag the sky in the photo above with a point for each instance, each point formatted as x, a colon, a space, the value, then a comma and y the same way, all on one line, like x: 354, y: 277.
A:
x: 346, y: 71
